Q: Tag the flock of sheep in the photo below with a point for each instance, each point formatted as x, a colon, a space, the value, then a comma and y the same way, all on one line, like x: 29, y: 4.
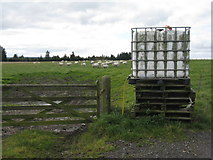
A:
x: 95, y: 64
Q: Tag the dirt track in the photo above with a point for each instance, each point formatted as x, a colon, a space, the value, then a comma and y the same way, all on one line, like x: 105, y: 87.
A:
x: 197, y: 145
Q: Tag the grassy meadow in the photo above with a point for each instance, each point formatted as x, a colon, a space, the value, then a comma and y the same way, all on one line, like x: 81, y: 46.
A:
x: 95, y: 141
x: 48, y: 72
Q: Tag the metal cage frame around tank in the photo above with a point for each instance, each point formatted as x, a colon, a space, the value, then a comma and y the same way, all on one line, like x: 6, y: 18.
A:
x: 165, y: 51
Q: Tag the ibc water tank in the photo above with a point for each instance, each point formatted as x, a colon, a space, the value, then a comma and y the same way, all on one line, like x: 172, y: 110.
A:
x: 159, y: 52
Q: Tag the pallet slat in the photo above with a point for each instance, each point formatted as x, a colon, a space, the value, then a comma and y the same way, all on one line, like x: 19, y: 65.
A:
x: 169, y: 85
x: 178, y: 118
x: 160, y: 103
x: 161, y: 111
x: 167, y: 96
x: 162, y: 91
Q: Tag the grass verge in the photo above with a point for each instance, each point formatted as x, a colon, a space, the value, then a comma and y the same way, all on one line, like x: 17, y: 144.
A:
x: 30, y: 144
x: 114, y: 127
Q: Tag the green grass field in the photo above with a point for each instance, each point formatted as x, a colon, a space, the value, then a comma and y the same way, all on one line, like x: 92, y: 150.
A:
x: 114, y: 126
x: 48, y: 72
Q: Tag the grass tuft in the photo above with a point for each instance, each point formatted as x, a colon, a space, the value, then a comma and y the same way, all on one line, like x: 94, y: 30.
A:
x: 29, y: 144
x: 89, y: 146
x: 116, y: 126
x: 112, y: 127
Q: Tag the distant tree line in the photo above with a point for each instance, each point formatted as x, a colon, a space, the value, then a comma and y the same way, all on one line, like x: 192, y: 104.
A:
x: 71, y: 57
x: 3, y: 54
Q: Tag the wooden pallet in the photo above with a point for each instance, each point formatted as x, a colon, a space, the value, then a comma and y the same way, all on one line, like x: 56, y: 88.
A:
x: 173, y: 98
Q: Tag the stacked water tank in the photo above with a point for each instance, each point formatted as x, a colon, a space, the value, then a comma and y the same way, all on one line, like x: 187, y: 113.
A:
x: 160, y: 56
x: 160, y: 52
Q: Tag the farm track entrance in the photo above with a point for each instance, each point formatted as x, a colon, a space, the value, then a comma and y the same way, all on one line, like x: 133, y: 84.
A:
x: 49, y: 104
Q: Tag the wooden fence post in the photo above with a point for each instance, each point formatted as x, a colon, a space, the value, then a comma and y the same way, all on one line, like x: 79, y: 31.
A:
x: 1, y: 53
x: 98, y: 99
x: 105, y: 95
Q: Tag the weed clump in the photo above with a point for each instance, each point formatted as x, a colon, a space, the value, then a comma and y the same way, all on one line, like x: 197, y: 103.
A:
x: 116, y: 126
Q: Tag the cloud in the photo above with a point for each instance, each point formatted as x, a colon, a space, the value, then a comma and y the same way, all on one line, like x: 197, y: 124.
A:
x: 151, y: 18
x: 33, y: 15
x: 97, y: 27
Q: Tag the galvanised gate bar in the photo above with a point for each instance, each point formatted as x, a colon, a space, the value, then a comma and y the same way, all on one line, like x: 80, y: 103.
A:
x: 160, y: 71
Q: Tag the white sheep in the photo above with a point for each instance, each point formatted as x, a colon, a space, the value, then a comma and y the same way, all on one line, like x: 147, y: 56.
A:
x: 105, y: 65
x: 61, y: 63
x: 116, y: 64
x: 69, y: 63
x: 76, y: 62
x: 108, y: 62
x: 83, y: 64
x: 95, y: 65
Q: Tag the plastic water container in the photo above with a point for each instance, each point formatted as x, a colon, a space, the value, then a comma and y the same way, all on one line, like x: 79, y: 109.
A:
x: 158, y: 52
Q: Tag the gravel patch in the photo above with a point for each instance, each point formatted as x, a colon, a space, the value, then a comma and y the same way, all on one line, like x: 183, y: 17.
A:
x: 197, y: 145
x: 67, y: 129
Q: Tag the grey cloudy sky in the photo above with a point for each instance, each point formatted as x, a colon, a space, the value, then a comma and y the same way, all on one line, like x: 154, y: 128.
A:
x: 96, y: 27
